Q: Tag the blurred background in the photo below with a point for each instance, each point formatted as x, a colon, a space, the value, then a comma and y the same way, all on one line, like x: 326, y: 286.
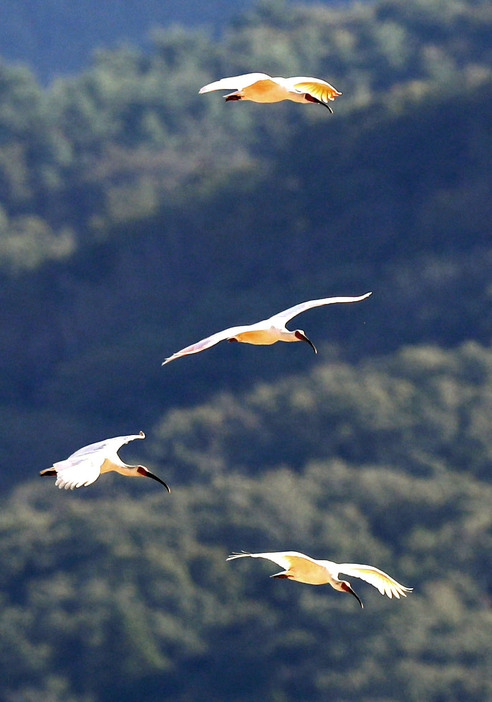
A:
x: 137, y: 217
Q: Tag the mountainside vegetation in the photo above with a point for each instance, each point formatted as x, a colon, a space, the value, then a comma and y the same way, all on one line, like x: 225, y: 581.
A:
x: 124, y: 593
x: 55, y: 40
x: 136, y: 217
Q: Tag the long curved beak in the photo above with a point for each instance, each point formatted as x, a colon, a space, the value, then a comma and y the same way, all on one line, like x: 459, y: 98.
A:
x: 303, y: 337
x: 146, y: 473
x: 352, y: 592
x: 311, y: 98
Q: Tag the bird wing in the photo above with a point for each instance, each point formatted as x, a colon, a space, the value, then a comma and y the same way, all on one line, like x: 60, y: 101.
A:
x: 84, y: 466
x: 106, y: 445
x: 285, y: 559
x: 303, y: 306
x: 75, y: 472
x: 319, y: 89
x: 380, y: 580
x: 234, y: 82
x: 207, y: 343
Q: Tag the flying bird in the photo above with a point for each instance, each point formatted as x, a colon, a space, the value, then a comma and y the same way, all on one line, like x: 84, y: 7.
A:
x: 86, y: 465
x: 305, y: 569
x: 266, y: 332
x: 259, y: 87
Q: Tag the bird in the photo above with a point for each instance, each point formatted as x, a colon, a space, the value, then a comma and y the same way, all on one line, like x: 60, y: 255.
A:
x: 86, y: 465
x: 305, y: 569
x: 260, y: 87
x: 266, y: 332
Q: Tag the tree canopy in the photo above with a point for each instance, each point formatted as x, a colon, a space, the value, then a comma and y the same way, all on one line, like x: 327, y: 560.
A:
x: 137, y: 217
x: 125, y: 594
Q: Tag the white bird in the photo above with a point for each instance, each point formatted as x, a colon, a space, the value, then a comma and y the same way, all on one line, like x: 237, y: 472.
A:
x: 260, y: 87
x: 266, y: 332
x: 86, y: 465
x: 305, y: 569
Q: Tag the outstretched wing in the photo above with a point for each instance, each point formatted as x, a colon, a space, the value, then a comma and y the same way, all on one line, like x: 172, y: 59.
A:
x: 380, y: 580
x: 234, y: 82
x: 206, y: 343
x: 319, y: 89
x: 303, y: 306
x: 285, y: 559
x: 105, y: 445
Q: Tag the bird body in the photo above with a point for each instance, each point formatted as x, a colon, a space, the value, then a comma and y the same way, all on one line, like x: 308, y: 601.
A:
x: 260, y: 87
x: 304, y: 569
x: 265, y: 332
x: 86, y: 465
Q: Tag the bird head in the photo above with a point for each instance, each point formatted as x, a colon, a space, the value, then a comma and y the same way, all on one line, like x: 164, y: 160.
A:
x: 346, y: 587
x: 301, y: 336
x: 142, y: 470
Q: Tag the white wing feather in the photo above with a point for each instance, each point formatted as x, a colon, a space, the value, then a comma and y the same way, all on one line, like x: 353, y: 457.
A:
x: 207, y: 342
x: 303, y: 306
x: 234, y: 82
x: 84, y: 466
x: 112, y: 444
x: 378, y: 578
x: 281, y: 558
x: 72, y: 474
x: 303, y: 79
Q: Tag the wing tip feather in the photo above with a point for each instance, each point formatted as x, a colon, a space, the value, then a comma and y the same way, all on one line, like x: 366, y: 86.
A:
x: 237, y: 554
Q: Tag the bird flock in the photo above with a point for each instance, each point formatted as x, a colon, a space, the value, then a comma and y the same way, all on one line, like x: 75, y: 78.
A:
x: 84, y: 467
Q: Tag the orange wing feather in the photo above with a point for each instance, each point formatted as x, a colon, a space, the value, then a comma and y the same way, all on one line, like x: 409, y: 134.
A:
x: 321, y: 91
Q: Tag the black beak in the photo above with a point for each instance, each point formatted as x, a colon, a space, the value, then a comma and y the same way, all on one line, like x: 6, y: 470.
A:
x: 303, y: 337
x: 148, y: 474
x: 154, y: 477
x: 311, y: 98
x: 352, y: 592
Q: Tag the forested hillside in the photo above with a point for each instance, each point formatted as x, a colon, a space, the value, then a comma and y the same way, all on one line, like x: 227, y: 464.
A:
x: 139, y: 216
x: 136, y: 217
x: 124, y: 593
x: 55, y: 39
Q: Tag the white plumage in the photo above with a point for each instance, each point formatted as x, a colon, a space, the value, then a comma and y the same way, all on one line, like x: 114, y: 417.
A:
x: 304, y: 569
x: 86, y: 465
x: 266, y: 332
x: 260, y: 87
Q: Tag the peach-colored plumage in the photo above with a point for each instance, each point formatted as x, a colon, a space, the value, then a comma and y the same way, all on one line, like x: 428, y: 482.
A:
x: 305, y: 569
x: 266, y: 332
x: 86, y: 465
x: 260, y: 87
